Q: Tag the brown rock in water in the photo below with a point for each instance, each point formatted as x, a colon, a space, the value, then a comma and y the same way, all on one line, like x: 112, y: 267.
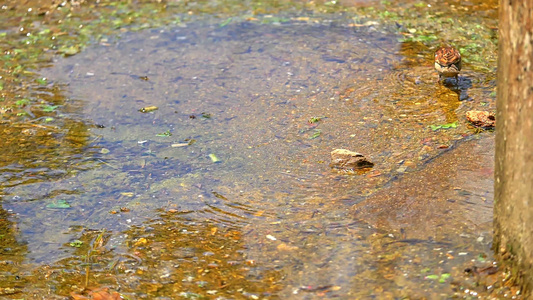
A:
x: 349, y: 160
x: 481, y: 118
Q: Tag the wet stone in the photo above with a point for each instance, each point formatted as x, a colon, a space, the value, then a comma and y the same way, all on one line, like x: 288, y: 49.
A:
x: 349, y: 160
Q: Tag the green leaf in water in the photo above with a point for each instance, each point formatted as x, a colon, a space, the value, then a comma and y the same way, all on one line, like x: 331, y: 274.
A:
x: 206, y: 115
x: 18, y: 69
x: 317, y: 133
x: 432, y: 277
x: 214, y: 158
x: 22, y: 102
x: 450, y: 125
x: 45, y: 31
x: 316, y: 119
x: 427, y: 38
x: 165, y: 134
x: 48, y: 119
x: 41, y: 81
x: 49, y: 108
x: 59, y: 204
x: 444, y: 276
x: 76, y: 243
x: 444, y: 126
x: 225, y: 23
x: 69, y: 50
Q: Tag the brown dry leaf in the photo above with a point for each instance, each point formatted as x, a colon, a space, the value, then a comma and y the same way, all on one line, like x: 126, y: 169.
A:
x: 103, y: 294
x: 78, y: 296
x: 481, y: 118
x: 97, y: 294
x: 373, y: 174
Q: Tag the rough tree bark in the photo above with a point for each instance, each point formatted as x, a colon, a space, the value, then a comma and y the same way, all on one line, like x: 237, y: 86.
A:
x: 513, y: 223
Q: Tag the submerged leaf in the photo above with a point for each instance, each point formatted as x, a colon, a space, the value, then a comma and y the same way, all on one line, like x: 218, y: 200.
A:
x: 49, y: 108
x: 22, y: 102
x: 69, y: 50
x: 444, y: 276
x: 214, y: 158
x: 76, y: 243
x: 450, y: 125
x: 148, y: 109
x: 165, y: 134
x: 226, y: 22
x: 41, y: 81
x: 316, y: 134
x: 444, y: 126
x: 316, y: 119
x: 59, y: 204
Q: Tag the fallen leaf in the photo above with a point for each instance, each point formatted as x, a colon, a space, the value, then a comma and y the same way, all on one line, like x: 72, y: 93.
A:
x: 59, y: 204
x: 103, y: 294
x: 148, y: 109
x: 141, y: 241
x: 285, y: 247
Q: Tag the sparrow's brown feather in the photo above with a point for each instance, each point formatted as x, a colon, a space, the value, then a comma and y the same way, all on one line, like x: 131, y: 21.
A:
x: 447, y: 56
x: 448, y: 62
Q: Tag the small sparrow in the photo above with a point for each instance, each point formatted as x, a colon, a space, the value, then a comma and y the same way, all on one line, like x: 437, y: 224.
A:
x: 448, y: 62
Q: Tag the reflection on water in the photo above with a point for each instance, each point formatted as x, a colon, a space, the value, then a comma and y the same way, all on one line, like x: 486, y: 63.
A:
x: 270, y: 220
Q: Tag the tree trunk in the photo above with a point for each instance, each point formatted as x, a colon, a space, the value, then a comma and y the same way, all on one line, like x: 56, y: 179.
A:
x: 513, y: 208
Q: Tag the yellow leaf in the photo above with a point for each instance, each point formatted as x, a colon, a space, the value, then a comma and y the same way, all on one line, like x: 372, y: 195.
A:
x: 141, y: 241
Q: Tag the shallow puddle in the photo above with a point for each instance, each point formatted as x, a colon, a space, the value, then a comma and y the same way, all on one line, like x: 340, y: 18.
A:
x: 225, y: 190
